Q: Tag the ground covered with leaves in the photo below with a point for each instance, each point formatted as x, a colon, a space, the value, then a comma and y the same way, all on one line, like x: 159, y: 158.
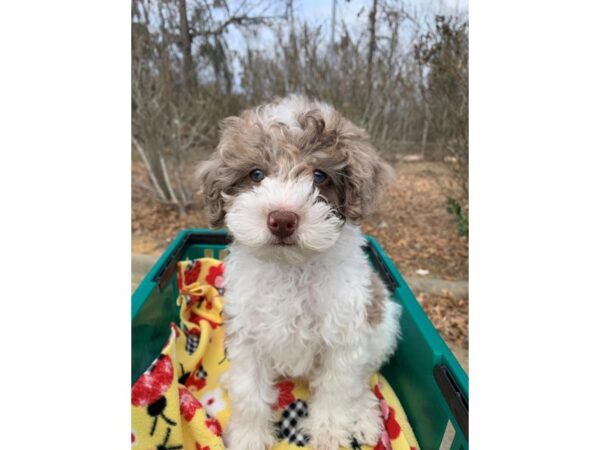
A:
x: 449, y: 315
x: 413, y: 225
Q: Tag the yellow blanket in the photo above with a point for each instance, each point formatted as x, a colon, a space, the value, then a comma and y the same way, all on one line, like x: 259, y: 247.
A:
x: 178, y: 403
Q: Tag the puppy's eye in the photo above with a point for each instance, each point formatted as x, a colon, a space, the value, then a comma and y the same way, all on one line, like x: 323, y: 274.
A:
x: 319, y: 177
x: 257, y: 175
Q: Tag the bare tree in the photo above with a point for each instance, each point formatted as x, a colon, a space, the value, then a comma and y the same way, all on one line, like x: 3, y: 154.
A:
x: 443, y: 52
x: 403, y: 75
x: 185, y: 40
x: 173, y: 116
x: 372, y: 43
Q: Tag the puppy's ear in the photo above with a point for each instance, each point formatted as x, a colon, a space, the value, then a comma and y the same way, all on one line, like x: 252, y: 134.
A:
x: 211, y: 187
x: 366, y: 178
x: 216, y: 176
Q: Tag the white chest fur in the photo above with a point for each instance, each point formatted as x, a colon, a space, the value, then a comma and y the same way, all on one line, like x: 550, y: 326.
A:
x: 290, y: 314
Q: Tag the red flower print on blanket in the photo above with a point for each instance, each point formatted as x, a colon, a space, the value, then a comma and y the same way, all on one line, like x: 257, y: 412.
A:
x: 192, y: 271
x: 215, y: 276
x: 153, y: 383
x: 391, y: 426
x: 150, y: 388
x: 197, y: 380
x: 285, y: 394
x: 188, y: 404
x: 199, y: 447
x: 214, y: 426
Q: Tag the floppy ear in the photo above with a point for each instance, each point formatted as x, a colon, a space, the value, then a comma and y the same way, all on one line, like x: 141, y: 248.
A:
x: 211, y: 187
x: 366, y: 177
x: 215, y: 175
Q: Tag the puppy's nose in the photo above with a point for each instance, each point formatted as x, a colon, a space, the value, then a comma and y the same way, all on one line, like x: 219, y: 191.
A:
x: 282, y: 223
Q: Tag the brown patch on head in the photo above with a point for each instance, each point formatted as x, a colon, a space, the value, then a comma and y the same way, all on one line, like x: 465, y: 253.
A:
x: 366, y: 174
x: 357, y: 175
x: 332, y: 193
x: 321, y: 139
x: 243, y: 147
x: 379, y: 298
x: 313, y: 135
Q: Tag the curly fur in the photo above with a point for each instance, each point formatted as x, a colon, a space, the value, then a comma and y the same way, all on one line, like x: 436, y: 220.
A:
x: 308, y: 306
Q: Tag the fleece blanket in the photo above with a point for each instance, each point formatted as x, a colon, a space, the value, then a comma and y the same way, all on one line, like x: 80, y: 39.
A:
x: 179, y: 402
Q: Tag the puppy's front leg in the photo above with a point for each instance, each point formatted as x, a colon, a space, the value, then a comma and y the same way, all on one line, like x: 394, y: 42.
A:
x: 342, y: 405
x: 252, y: 394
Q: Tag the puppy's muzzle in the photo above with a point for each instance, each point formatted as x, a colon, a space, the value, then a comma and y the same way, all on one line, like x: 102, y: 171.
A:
x: 282, y: 223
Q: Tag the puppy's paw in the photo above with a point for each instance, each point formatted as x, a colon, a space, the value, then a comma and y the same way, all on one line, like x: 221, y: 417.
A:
x: 329, y: 439
x: 368, y: 426
x: 244, y: 438
x: 326, y: 432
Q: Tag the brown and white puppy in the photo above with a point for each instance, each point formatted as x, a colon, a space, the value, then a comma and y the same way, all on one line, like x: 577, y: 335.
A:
x: 291, y: 180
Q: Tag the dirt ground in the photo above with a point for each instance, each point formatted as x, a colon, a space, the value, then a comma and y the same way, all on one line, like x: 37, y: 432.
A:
x: 412, y: 225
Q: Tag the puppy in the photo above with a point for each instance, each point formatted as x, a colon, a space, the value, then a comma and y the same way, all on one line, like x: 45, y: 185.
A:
x: 291, y: 180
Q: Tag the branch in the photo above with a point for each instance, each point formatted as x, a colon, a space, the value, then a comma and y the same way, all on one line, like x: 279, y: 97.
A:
x: 150, y: 190
x: 157, y: 187
x: 235, y: 20
x: 167, y: 181
x: 182, y: 190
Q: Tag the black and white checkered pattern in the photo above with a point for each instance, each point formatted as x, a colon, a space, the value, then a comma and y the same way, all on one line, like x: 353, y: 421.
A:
x: 287, y: 427
x: 191, y: 342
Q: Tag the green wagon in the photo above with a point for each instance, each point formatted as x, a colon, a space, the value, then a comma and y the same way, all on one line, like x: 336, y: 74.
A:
x: 428, y: 380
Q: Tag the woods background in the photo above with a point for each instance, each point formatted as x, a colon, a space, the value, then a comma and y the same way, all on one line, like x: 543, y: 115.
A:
x: 397, y: 68
x: 403, y: 76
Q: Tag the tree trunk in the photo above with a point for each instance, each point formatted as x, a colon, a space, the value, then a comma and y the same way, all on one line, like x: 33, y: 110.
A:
x: 425, y: 132
x: 427, y: 112
x: 189, y: 72
x: 372, y: 44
